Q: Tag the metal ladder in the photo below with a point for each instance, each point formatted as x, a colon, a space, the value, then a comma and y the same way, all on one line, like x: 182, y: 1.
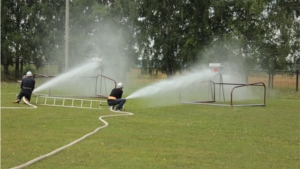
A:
x: 71, y: 102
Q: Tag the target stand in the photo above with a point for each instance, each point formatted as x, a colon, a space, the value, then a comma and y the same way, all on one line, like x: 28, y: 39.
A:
x: 213, y: 101
x: 216, y: 68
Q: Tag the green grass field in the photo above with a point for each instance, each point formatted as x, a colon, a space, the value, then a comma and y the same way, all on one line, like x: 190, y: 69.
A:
x: 174, y: 136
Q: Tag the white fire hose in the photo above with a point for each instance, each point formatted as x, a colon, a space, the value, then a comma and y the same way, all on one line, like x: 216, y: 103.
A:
x: 28, y: 103
x: 121, y: 113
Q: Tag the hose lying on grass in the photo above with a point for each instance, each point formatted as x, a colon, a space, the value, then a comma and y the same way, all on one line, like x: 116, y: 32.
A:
x: 120, y: 113
x: 28, y: 103
x: 25, y: 101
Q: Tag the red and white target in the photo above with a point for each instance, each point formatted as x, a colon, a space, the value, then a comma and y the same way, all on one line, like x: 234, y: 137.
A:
x: 215, y: 67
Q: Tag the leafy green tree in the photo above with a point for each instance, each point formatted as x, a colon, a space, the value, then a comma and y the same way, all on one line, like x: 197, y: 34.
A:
x: 275, y: 42
x: 246, y: 27
x: 294, y: 8
x: 46, y: 31
x: 170, y: 33
x: 264, y: 31
x: 37, y: 30
x: 31, y: 31
x: 12, y: 35
x: 6, y: 34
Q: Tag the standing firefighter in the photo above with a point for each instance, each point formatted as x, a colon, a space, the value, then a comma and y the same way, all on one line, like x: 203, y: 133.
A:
x: 115, y: 97
x: 27, y: 86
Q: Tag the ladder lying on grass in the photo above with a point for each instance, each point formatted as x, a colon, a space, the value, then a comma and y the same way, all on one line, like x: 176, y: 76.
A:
x: 70, y: 102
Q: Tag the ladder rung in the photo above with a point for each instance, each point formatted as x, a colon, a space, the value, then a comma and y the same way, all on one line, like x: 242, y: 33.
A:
x: 71, y: 99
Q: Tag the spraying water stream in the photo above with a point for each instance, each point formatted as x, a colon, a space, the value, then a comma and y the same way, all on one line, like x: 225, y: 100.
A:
x: 173, y: 84
x: 195, y: 86
x: 71, y: 77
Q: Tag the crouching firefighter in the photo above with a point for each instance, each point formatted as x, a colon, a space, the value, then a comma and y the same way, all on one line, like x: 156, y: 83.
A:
x: 115, y: 98
x: 27, y: 86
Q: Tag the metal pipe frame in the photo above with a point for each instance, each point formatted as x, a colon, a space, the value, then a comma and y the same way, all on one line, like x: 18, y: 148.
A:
x: 237, y: 85
x: 252, y: 84
x: 105, y: 77
x: 205, y: 101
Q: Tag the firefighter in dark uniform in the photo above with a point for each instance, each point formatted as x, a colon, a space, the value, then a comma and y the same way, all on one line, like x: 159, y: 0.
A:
x: 115, y: 97
x: 27, y: 86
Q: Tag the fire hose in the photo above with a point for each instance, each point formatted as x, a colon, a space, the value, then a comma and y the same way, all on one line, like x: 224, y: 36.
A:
x: 121, y: 113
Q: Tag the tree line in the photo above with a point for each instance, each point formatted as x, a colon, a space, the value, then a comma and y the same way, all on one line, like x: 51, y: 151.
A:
x: 162, y: 35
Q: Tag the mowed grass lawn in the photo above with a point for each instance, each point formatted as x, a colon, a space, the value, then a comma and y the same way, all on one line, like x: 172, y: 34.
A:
x: 164, y: 137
